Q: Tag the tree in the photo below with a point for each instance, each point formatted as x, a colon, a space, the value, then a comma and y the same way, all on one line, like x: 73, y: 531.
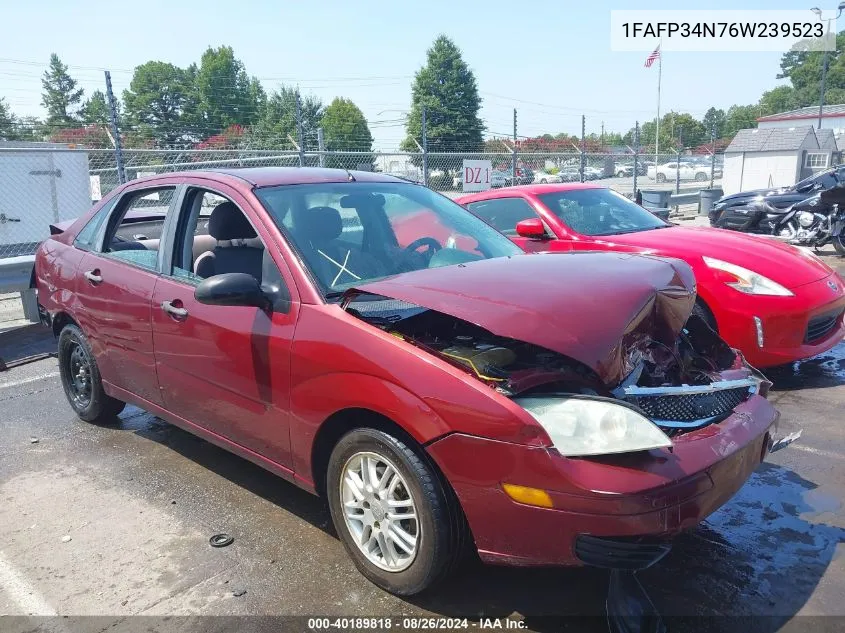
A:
x: 95, y: 110
x: 60, y: 96
x: 803, y: 68
x: 780, y: 99
x: 278, y: 121
x: 739, y: 118
x: 345, y: 129
x: 8, y: 124
x: 159, y: 103
x: 714, y: 119
x: 225, y: 94
x: 446, y: 87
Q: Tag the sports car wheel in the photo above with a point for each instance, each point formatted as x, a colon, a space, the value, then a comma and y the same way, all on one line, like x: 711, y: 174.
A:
x: 661, y: 178
x: 398, y: 522
x: 81, y: 379
x: 700, y: 177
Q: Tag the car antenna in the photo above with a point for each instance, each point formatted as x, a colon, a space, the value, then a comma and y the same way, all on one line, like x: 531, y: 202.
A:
x: 349, y: 173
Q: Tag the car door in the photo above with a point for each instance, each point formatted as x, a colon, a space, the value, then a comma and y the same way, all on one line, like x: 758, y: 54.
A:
x: 504, y: 214
x: 114, y: 287
x: 225, y: 369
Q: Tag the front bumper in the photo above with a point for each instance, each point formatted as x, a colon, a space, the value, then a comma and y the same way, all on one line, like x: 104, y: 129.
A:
x: 647, y: 495
x: 784, y: 322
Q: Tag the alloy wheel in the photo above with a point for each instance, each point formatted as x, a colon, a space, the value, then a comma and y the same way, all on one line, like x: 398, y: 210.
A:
x: 379, y: 511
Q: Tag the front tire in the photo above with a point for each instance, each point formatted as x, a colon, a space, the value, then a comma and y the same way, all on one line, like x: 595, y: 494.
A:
x: 400, y: 525
x: 661, y: 178
x: 81, y: 379
x: 700, y: 177
x: 838, y: 242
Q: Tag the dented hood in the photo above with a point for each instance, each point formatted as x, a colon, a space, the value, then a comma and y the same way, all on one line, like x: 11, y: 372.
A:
x: 593, y: 307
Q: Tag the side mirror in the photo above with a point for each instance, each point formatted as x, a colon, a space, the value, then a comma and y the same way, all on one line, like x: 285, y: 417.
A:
x: 532, y: 228
x: 231, y: 289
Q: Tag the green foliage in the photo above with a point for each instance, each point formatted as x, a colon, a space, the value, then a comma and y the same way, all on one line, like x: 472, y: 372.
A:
x: 739, y: 118
x: 160, y: 104
x: 8, y: 125
x: 225, y: 94
x: 714, y: 119
x: 447, y: 88
x: 278, y: 121
x: 95, y: 110
x: 345, y: 129
x: 441, y: 181
x: 60, y: 96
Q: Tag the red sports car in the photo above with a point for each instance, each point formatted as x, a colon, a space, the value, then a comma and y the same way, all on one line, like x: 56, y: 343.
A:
x: 774, y: 302
x: 550, y: 409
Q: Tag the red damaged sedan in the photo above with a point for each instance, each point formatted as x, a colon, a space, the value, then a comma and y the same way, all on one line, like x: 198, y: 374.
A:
x: 774, y: 302
x: 549, y: 409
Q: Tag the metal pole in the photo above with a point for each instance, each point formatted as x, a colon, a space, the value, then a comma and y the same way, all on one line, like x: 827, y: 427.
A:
x: 299, y: 134
x: 824, y: 78
x: 424, y: 148
x: 678, y: 163
x: 636, y: 154
x: 712, y: 155
x: 583, y: 139
x: 657, y: 126
x: 321, y: 147
x: 514, y: 180
x: 118, y: 147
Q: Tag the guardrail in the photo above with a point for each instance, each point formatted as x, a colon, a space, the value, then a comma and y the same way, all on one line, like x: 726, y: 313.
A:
x: 15, y: 276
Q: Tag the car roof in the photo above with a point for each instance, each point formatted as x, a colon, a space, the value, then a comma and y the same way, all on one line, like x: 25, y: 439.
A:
x: 535, y: 190
x: 272, y: 176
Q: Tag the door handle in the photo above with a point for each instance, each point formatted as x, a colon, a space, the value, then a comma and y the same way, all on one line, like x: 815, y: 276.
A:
x: 174, y: 311
x: 94, y: 276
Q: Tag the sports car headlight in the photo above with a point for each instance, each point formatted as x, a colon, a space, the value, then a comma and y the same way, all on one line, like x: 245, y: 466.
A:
x: 747, y: 281
x: 583, y: 426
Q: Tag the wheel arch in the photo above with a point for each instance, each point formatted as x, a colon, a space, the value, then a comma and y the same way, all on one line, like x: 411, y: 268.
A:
x: 60, y: 320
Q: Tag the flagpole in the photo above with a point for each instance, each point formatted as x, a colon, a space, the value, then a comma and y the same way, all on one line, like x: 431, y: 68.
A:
x: 657, y: 126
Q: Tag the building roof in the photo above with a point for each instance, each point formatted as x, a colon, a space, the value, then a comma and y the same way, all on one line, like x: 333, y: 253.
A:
x: 810, y: 112
x: 781, y: 139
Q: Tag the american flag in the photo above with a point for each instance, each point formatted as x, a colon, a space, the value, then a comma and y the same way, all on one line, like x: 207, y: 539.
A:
x: 655, y: 55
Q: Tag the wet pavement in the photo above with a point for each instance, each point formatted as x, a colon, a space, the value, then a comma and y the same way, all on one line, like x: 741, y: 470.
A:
x: 115, y: 521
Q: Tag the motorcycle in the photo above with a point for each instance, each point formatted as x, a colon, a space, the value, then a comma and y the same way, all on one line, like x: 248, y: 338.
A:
x: 814, y: 222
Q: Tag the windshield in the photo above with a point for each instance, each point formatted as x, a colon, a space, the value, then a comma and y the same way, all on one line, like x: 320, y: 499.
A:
x: 824, y: 180
x: 350, y: 233
x: 600, y: 212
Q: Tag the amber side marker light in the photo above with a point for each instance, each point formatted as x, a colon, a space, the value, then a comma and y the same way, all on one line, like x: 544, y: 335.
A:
x: 528, y: 496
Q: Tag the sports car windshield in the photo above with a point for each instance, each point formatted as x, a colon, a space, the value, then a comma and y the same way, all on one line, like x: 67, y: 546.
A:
x: 600, y: 212
x: 350, y: 233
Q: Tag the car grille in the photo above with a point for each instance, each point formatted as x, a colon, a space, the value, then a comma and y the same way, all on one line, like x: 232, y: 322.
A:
x: 691, y: 407
x: 820, y: 326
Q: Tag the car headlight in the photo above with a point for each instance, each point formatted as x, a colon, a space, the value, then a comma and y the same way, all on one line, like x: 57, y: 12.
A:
x: 584, y: 426
x: 747, y: 281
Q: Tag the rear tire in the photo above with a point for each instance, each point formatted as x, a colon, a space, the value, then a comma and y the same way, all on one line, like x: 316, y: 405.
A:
x: 81, y: 379
x: 369, y: 534
x: 838, y: 242
x: 700, y: 177
x: 703, y: 312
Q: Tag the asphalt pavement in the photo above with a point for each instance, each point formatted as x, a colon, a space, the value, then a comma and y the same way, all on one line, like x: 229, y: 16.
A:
x: 115, y: 521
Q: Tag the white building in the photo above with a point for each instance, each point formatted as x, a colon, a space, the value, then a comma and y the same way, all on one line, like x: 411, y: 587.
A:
x: 776, y: 156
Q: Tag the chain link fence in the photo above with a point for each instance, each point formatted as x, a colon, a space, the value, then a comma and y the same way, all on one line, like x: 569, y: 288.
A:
x: 41, y: 186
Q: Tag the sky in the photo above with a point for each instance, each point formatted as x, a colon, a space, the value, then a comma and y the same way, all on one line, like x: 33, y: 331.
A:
x: 549, y: 60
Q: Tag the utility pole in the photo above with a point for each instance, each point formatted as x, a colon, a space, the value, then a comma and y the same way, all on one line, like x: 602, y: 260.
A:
x: 636, y: 154
x: 712, y: 154
x: 678, y: 163
x: 118, y: 147
x: 299, y: 134
x: 514, y: 181
x: 321, y: 146
x: 424, y: 148
x: 602, y: 136
x: 583, y: 144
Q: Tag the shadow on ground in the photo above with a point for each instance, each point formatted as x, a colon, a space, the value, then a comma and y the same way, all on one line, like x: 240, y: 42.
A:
x: 824, y: 370
x: 761, y: 554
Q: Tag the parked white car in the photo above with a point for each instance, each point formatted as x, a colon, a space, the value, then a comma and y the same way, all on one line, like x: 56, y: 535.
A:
x: 688, y: 171
x: 543, y: 177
